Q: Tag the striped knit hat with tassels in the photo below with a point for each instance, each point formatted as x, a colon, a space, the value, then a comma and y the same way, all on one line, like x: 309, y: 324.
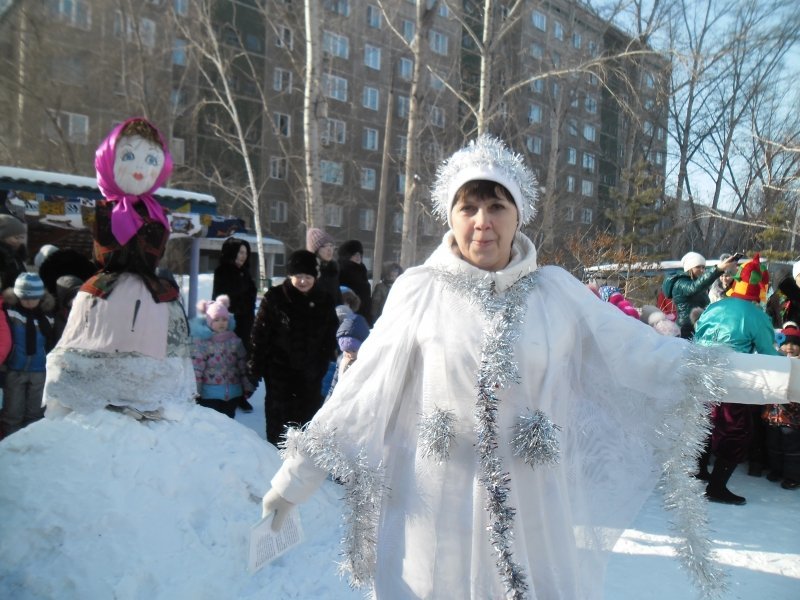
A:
x: 751, y: 281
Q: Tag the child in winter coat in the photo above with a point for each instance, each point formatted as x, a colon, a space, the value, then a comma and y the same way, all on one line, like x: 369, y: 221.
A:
x: 352, y: 332
x: 219, y: 358
x: 783, y: 423
x: 27, y: 306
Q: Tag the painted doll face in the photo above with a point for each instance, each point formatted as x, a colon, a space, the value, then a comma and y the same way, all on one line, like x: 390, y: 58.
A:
x: 137, y: 164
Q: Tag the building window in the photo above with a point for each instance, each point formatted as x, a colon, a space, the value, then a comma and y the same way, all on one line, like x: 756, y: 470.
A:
x: 556, y: 89
x: 368, y: 178
x: 334, y: 87
x: 372, y: 57
x: 572, y: 126
x: 535, y: 113
x: 366, y: 219
x: 397, y: 222
x: 278, y: 167
x: 590, y: 132
x: 282, y: 124
x: 331, y: 172
x: 401, y: 183
x: 373, y: 16
x: 369, y: 139
x: 335, y: 44
x: 437, y: 83
x: 252, y: 43
x: 593, y: 80
x: 333, y: 131
x: 587, y: 187
x: 572, y: 156
x: 402, y: 146
x: 177, y: 148
x: 181, y: 7
x: 284, y: 39
x: 590, y: 104
x: 537, y: 86
x: 661, y: 133
x: 593, y: 48
x: 570, y: 183
x: 556, y: 58
x: 405, y: 69
x: 558, y: 30
x: 586, y: 216
x: 534, y: 144
x: 437, y: 117
x: 179, y: 52
x: 647, y: 128
x: 438, y: 42
x: 443, y: 10
x: 403, y: 104
x: 281, y: 80
x: 74, y: 126
x: 576, y: 41
x: 539, y: 20
x: 370, y: 98
x: 649, y: 81
x: 77, y: 13
x: 569, y: 213
x: 588, y: 161
x: 537, y: 51
x: 279, y: 211
x: 333, y: 215
x: 340, y: 7
x: 408, y: 29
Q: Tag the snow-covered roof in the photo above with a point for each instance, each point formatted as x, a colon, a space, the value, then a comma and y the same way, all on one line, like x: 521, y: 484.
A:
x: 79, y: 182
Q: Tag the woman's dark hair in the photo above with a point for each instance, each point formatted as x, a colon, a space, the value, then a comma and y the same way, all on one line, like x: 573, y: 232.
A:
x: 482, y: 189
x: 230, y: 248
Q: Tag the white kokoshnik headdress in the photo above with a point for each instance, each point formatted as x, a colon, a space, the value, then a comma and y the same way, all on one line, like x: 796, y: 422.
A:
x: 485, y: 158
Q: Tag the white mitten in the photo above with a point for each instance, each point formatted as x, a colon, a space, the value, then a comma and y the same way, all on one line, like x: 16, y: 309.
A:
x: 274, y: 502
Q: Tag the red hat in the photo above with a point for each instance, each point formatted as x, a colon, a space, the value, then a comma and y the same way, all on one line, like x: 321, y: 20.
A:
x: 751, y: 281
x: 790, y: 334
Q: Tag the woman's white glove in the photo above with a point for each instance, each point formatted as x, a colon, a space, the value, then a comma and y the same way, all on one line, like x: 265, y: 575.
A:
x: 274, y: 502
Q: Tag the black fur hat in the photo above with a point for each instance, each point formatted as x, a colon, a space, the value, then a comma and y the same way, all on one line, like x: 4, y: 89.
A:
x: 349, y: 248
x: 302, y: 262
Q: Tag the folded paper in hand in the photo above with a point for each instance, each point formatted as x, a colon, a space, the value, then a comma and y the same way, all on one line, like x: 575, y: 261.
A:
x: 267, y: 545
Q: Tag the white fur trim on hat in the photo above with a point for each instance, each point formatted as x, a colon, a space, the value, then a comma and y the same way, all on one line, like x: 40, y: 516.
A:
x: 691, y: 260
x: 796, y: 269
x: 485, y: 158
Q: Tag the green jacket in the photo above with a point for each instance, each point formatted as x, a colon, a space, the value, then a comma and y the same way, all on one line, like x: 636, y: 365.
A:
x: 738, y: 324
x: 688, y: 293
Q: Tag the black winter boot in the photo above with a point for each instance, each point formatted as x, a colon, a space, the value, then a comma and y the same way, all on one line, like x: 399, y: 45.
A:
x: 702, y: 464
x: 717, y: 490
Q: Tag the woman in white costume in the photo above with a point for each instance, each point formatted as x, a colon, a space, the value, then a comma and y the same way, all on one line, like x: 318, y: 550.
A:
x: 502, y: 426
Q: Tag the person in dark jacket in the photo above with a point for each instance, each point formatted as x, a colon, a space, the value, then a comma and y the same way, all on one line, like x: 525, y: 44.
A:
x: 353, y: 274
x: 232, y: 278
x: 293, y: 342
x: 322, y: 244
x: 12, y: 250
x: 784, y: 304
x: 690, y: 290
x: 391, y: 271
x: 27, y: 305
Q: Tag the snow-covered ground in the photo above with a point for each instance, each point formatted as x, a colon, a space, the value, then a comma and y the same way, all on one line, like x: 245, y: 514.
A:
x: 102, y: 506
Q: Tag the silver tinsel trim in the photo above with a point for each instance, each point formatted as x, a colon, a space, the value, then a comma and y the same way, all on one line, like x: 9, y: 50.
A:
x: 703, y: 373
x: 363, y: 495
x: 436, y: 434
x: 536, y: 440
x: 489, y: 152
x: 498, y: 369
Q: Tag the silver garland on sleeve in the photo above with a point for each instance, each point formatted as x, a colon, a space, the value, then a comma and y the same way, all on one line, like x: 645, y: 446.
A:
x: 702, y: 372
x: 437, y: 434
x: 498, y: 369
x: 363, y: 495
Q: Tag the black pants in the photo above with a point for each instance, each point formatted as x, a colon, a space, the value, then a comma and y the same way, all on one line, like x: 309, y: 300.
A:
x: 783, y: 445
x: 290, y: 400
x: 226, y: 407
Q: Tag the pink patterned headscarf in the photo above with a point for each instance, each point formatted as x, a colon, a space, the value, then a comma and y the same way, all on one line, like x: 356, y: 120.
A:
x: 125, y: 221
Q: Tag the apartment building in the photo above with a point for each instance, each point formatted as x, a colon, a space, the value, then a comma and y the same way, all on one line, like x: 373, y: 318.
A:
x: 77, y: 67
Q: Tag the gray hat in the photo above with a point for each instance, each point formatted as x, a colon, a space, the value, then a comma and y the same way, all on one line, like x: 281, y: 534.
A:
x: 11, y: 226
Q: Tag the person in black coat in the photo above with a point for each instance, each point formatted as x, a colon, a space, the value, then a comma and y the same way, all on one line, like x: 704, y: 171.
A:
x: 293, y: 343
x: 12, y: 249
x: 232, y: 278
x: 353, y: 274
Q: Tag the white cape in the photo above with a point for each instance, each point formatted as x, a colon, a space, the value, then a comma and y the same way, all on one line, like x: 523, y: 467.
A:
x: 627, y: 405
